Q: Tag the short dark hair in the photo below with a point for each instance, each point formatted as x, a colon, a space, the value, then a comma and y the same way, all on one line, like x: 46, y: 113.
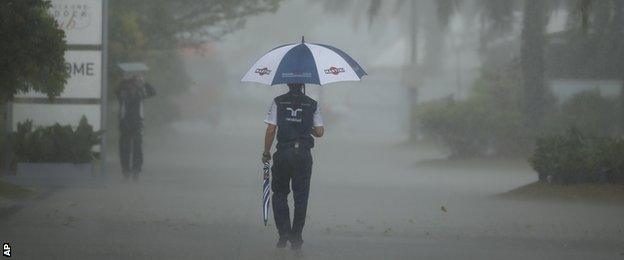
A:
x: 295, y: 86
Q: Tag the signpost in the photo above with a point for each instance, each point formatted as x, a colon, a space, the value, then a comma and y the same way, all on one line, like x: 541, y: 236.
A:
x: 85, y: 26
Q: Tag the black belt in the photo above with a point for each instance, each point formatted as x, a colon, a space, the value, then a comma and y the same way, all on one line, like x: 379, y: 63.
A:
x: 295, y: 145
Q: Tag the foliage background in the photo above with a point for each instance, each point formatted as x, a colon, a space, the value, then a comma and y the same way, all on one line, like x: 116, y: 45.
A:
x: 56, y: 143
x: 155, y: 32
x: 32, y: 49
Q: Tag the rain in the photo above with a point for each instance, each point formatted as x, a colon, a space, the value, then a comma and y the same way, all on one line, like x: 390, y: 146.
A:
x: 481, y: 129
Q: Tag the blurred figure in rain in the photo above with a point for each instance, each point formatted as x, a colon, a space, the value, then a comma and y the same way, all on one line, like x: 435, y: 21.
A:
x: 295, y: 118
x: 130, y: 93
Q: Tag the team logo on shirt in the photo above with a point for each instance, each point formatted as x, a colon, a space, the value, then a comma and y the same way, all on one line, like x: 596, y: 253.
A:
x: 263, y: 71
x: 293, y: 113
x: 334, y: 71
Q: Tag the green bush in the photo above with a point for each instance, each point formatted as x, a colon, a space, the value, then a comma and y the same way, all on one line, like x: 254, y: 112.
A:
x: 458, y: 125
x: 488, y: 122
x: 55, y: 144
x: 470, y: 128
x: 575, y: 158
x: 590, y: 113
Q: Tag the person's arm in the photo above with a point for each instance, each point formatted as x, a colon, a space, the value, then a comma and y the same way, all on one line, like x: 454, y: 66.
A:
x: 318, y: 130
x: 149, y: 90
x: 269, y: 135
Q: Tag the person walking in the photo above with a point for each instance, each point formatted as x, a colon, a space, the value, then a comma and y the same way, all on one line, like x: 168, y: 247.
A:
x: 130, y: 93
x: 295, y: 118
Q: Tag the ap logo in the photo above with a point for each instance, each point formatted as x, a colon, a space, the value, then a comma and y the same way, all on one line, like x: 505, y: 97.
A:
x: 6, y: 250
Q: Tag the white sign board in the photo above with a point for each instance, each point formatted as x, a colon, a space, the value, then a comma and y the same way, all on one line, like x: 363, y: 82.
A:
x: 80, y: 19
x: 85, y: 70
x: 82, y: 22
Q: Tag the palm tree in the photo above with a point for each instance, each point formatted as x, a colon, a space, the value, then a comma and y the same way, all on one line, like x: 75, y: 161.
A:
x: 497, y: 19
x: 604, y: 20
x: 433, y: 44
x: 532, y: 60
x: 601, y: 24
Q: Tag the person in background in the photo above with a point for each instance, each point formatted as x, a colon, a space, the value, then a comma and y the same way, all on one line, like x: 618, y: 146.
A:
x: 295, y: 118
x: 130, y: 93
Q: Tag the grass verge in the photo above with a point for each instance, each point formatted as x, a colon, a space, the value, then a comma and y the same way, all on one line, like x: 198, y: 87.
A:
x: 11, y: 191
x: 594, y: 192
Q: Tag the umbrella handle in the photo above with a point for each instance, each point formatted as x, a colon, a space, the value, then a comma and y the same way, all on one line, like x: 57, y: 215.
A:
x: 267, y: 169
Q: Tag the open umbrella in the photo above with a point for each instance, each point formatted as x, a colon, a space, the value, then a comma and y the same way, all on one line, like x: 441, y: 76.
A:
x: 266, y: 190
x: 306, y: 63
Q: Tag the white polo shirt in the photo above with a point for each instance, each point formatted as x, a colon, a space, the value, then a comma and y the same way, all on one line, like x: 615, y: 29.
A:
x: 271, y: 117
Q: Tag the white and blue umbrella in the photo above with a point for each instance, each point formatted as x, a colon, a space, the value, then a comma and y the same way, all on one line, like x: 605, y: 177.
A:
x: 266, y: 191
x: 306, y: 63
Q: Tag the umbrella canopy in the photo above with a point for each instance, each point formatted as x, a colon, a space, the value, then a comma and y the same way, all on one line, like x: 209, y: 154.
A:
x: 133, y: 67
x: 266, y: 190
x: 305, y: 63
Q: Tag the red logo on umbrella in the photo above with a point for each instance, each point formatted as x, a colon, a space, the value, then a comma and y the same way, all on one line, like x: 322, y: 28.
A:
x: 263, y: 71
x: 334, y: 70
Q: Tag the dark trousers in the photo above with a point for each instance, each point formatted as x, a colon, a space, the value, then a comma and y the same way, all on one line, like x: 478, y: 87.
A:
x: 291, y: 167
x: 131, y: 151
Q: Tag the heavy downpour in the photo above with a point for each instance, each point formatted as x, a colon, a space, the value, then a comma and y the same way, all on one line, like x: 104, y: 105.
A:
x: 312, y: 129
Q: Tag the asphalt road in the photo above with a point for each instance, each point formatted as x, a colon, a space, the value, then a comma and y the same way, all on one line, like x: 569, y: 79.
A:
x: 199, y: 198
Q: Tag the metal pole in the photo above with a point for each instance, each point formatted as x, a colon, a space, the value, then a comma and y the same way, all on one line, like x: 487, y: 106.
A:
x: 104, y: 88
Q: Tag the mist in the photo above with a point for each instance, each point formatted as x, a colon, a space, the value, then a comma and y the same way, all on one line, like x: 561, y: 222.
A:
x: 434, y: 154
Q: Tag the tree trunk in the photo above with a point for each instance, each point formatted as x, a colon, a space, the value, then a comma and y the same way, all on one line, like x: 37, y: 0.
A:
x: 413, y: 88
x: 532, y: 61
x: 621, y: 108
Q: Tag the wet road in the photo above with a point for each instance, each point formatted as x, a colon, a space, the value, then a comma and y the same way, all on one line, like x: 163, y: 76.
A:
x: 199, y: 198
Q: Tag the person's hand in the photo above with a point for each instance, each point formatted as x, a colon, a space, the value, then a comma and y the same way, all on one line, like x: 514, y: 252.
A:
x: 266, y: 157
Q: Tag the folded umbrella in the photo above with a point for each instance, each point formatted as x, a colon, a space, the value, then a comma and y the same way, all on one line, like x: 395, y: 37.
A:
x: 266, y: 190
